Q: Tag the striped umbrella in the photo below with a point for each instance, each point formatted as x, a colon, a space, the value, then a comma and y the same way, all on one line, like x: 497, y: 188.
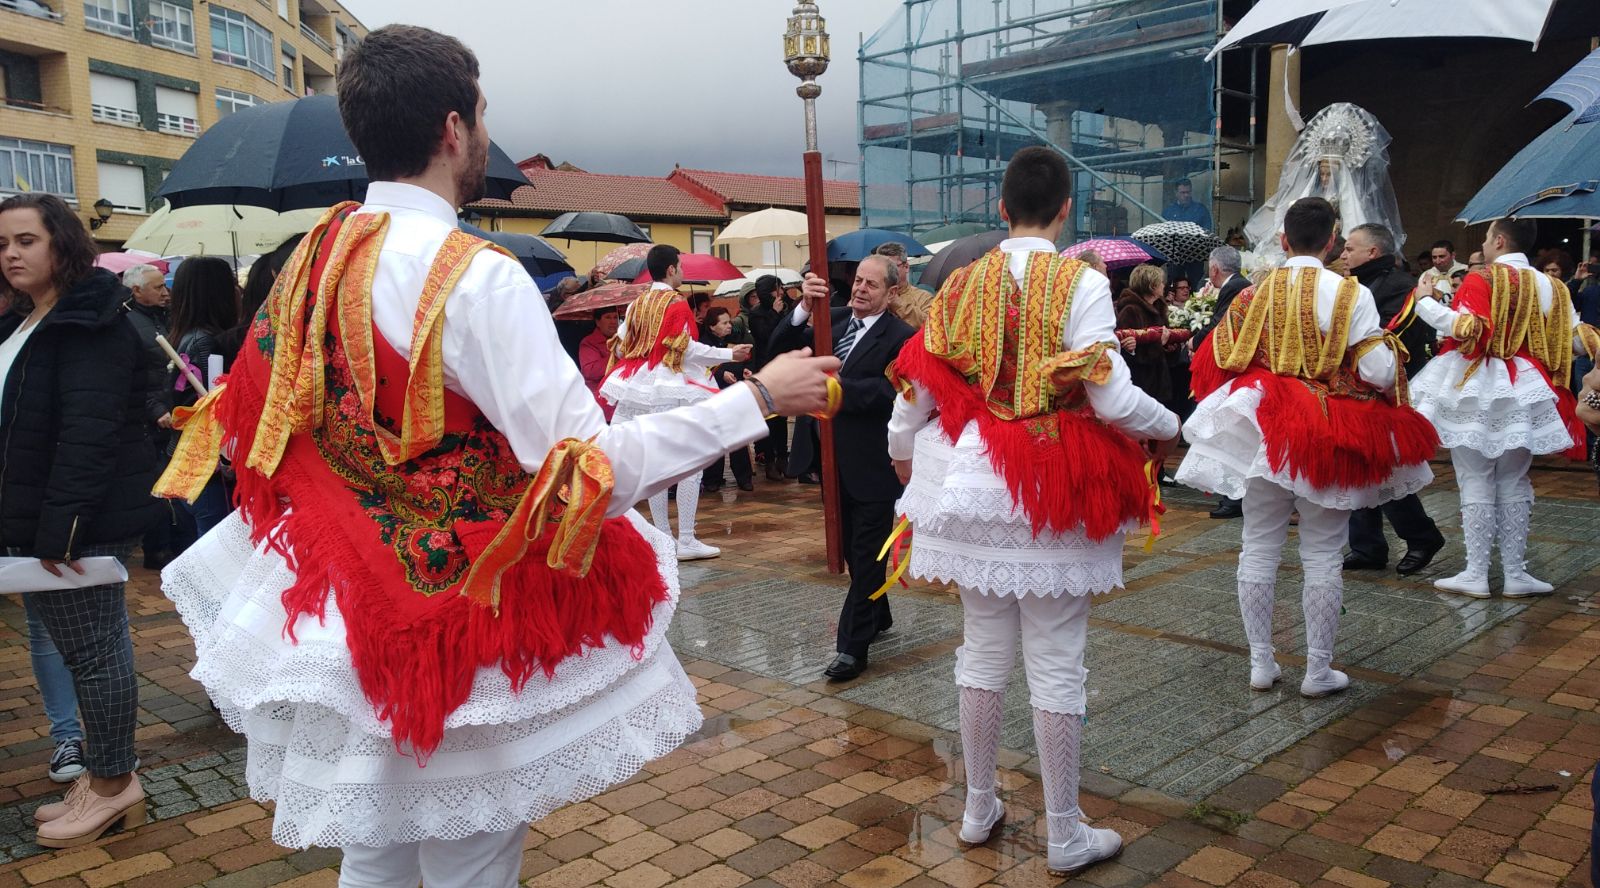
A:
x: 1579, y: 88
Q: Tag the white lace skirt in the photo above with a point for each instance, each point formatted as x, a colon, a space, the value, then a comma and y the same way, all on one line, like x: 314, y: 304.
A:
x: 1490, y: 413
x: 1226, y: 450
x: 318, y: 749
x: 652, y: 390
x: 968, y: 531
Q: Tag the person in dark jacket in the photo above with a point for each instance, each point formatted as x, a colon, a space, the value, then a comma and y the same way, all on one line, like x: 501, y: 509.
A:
x: 1369, y: 252
x: 1222, y: 270
x: 76, y: 469
x: 717, y: 331
x: 764, y: 314
x: 257, y: 286
x: 205, y: 305
x: 146, y: 310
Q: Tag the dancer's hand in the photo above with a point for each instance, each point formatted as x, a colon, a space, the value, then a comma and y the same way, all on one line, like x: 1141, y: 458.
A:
x: 798, y: 382
x: 1160, y: 450
x: 902, y: 470
x: 741, y: 352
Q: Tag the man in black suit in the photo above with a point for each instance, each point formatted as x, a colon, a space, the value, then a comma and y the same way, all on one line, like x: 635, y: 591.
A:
x: 1223, y: 270
x: 1369, y: 252
x: 867, y: 338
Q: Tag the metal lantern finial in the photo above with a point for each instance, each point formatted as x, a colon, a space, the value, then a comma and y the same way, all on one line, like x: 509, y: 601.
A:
x: 805, y: 48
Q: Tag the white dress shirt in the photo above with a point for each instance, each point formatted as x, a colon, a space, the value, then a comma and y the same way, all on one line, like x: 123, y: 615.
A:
x: 1092, y: 319
x: 1378, y: 365
x: 801, y: 314
x: 501, y: 352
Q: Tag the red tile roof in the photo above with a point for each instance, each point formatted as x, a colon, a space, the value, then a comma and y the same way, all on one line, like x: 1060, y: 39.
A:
x: 643, y: 198
x: 748, y: 189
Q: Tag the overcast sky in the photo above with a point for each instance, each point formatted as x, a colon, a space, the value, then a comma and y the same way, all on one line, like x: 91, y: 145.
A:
x: 634, y: 86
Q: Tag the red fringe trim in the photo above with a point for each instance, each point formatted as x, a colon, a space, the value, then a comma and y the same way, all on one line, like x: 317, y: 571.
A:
x: 414, y: 656
x: 1205, y: 376
x: 1335, y: 441
x: 1086, y: 473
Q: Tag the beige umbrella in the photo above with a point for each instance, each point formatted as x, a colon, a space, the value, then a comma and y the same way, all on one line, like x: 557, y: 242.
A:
x: 219, y: 230
x: 773, y: 224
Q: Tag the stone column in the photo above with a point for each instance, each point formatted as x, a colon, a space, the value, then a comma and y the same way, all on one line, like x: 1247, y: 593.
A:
x: 1280, y: 132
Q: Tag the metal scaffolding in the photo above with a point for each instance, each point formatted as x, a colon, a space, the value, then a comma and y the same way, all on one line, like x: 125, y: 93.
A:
x: 950, y: 89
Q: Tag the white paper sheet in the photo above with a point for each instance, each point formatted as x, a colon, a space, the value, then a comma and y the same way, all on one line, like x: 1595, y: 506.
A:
x: 28, y: 575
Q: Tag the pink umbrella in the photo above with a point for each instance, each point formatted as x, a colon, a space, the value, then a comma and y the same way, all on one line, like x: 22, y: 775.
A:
x: 117, y: 263
x: 701, y: 267
x: 1118, y: 252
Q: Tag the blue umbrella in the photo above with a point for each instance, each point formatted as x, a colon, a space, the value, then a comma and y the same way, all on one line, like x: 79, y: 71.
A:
x: 1556, y: 177
x: 858, y: 245
x: 1579, y: 88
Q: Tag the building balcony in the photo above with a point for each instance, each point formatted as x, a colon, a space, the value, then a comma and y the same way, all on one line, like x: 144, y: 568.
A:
x: 310, y: 34
x: 118, y: 116
x: 175, y: 125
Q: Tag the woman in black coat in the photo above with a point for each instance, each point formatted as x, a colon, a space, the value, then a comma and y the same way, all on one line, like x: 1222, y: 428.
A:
x: 75, y: 478
x: 764, y: 315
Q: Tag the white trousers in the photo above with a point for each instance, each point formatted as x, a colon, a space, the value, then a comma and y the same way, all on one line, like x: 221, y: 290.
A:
x: 481, y: 860
x: 1489, y: 480
x: 1267, y: 508
x: 1054, y: 632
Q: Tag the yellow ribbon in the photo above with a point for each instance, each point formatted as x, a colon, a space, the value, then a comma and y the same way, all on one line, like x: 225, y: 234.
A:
x: 900, y: 568
x: 1156, y: 508
x: 572, y: 490
x: 194, y: 460
x: 835, y: 400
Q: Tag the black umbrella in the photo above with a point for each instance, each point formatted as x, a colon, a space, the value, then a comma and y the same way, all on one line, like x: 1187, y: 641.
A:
x: 538, y: 257
x: 290, y: 155
x: 627, y: 271
x: 607, y: 227
x: 1183, y: 242
x: 958, y: 255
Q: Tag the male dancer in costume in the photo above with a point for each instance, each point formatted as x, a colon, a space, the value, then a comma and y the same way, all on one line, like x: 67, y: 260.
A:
x: 1021, y: 490
x: 1303, y: 407
x: 1497, y: 395
x: 661, y: 365
x: 434, y: 617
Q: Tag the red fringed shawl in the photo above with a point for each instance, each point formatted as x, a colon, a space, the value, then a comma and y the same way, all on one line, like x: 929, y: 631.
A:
x: 990, y: 353
x: 1319, y: 420
x: 445, y: 556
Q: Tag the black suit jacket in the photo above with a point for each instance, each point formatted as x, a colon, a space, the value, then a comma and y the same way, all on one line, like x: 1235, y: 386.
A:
x: 1390, y: 288
x: 1234, y: 286
x: 861, y: 430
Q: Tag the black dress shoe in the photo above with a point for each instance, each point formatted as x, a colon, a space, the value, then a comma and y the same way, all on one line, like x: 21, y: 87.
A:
x: 774, y: 473
x: 810, y: 478
x: 747, y: 485
x: 1229, y: 508
x: 1418, y: 558
x: 1362, y: 562
x: 845, y: 667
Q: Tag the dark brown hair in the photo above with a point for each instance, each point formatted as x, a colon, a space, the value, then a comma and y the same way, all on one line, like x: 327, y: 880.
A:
x: 713, y: 314
x: 1036, y: 185
x: 1308, y: 224
x: 660, y: 260
x: 396, y: 87
x: 70, y: 244
x: 1520, y: 234
x: 205, y: 296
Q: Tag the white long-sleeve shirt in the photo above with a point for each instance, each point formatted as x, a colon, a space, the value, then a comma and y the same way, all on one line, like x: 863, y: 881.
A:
x: 1443, y: 318
x: 501, y: 352
x: 1377, y: 367
x: 1093, y: 319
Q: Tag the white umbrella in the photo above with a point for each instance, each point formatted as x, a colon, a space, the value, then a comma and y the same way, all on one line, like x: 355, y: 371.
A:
x: 1315, y: 22
x: 219, y: 230
x: 772, y: 224
x: 787, y: 275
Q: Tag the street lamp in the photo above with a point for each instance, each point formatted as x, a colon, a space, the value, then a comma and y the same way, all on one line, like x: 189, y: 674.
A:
x: 102, y: 210
x: 805, y: 51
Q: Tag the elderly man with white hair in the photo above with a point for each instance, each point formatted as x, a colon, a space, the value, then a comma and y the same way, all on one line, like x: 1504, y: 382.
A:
x: 147, y: 312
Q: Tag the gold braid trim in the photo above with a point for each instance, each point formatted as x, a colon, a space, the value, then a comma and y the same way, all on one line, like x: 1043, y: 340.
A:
x: 674, y: 350
x: 1401, y: 395
x: 1279, y: 330
x: 571, y: 491
x: 1589, y: 337
x: 1069, y: 370
x: 194, y: 460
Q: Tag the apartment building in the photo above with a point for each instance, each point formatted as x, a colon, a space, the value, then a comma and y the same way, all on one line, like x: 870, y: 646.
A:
x: 98, y: 98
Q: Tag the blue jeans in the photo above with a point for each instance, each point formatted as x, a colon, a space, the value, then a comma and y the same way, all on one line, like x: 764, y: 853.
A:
x: 213, y: 505
x: 55, y: 682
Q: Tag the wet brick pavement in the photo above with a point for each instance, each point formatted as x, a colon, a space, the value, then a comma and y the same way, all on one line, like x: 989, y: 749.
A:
x: 1459, y: 756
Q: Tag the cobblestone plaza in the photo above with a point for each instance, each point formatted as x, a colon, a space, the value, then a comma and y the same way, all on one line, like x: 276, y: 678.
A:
x: 1460, y: 755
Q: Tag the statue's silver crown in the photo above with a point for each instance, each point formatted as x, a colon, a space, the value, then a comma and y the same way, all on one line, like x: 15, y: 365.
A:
x: 1342, y: 131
